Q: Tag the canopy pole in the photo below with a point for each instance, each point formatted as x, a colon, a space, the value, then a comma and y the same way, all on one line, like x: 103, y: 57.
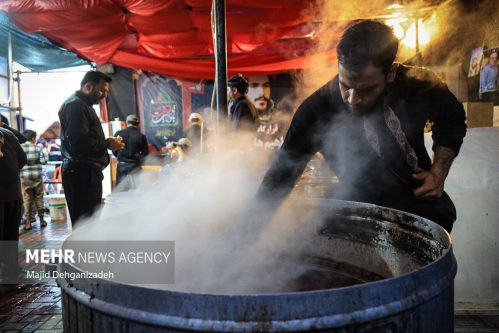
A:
x: 11, y: 101
x: 220, y: 59
x: 21, y: 119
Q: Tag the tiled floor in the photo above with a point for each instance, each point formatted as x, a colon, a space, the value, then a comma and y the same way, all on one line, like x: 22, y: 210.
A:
x: 35, y: 307
x: 476, y: 324
x: 32, y: 308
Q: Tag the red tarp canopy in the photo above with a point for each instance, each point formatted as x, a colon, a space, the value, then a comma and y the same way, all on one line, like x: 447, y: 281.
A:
x: 174, y: 37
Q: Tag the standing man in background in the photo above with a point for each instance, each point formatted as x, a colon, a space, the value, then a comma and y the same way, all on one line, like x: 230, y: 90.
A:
x: 243, y: 114
x: 31, y: 180
x: 12, y: 159
x: 130, y: 158
x: 84, y: 147
x: 196, y: 133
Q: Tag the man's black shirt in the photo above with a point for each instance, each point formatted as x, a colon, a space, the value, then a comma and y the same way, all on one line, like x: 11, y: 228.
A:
x: 19, y: 136
x: 14, y: 158
x: 82, y: 137
x: 243, y: 115
x: 324, y: 124
x: 135, y: 146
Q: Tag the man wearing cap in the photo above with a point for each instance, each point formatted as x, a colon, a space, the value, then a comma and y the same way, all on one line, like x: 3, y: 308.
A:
x: 130, y: 158
x: 196, y: 132
x: 243, y: 115
x: 84, y: 146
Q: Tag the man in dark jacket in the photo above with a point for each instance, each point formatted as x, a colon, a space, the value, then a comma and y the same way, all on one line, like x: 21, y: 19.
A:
x: 130, y: 158
x: 12, y: 159
x: 4, y: 122
x: 368, y: 123
x: 84, y: 147
x: 243, y: 115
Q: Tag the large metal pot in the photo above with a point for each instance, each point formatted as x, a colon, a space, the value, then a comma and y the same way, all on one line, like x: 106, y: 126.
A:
x: 403, y: 264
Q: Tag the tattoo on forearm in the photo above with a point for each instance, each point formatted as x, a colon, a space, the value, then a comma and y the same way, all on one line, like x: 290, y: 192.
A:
x: 443, y: 159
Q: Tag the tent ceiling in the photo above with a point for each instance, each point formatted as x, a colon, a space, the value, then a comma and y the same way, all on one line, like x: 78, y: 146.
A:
x: 174, y: 36
x: 34, y: 51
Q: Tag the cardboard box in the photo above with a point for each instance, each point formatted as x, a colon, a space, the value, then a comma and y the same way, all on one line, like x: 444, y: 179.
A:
x: 479, y: 114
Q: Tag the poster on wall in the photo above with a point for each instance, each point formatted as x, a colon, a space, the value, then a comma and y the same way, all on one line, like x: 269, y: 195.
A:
x: 161, y: 108
x: 272, y: 97
x: 475, y: 61
x: 165, y: 104
x: 489, y: 75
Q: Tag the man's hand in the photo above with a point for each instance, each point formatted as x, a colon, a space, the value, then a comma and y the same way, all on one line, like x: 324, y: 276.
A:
x: 433, y: 185
x: 1, y: 144
x: 115, y: 144
x: 434, y: 179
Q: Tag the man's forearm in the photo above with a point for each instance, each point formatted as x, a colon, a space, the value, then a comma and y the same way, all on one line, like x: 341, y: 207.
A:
x: 442, y: 160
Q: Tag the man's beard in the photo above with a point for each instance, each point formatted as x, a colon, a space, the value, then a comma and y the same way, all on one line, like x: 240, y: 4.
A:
x: 96, y: 98
x: 360, y: 110
x: 363, y: 109
x: 262, y: 104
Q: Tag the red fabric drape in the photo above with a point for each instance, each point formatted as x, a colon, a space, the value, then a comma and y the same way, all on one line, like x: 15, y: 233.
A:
x: 174, y: 36
x: 205, y: 69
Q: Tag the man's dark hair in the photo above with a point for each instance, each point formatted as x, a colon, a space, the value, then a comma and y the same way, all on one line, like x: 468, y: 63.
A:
x: 240, y: 82
x: 94, y: 77
x: 29, y: 134
x: 4, y: 119
x: 367, y: 41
